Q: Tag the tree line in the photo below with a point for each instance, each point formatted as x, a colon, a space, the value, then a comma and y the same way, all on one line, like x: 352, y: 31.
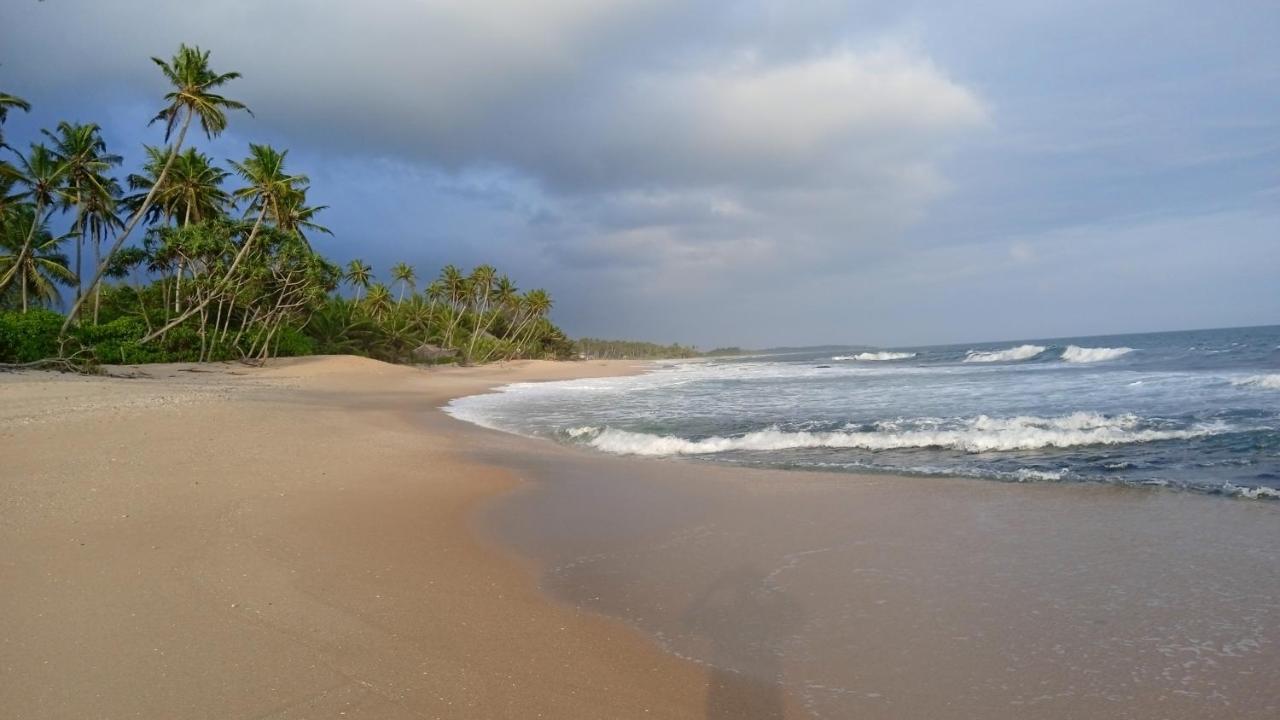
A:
x: 174, y: 262
x: 595, y: 348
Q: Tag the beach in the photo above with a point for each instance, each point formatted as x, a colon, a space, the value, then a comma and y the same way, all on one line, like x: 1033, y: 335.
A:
x: 316, y: 539
x: 221, y: 541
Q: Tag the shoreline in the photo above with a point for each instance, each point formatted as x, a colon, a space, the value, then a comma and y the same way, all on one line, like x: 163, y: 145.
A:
x: 353, y: 548
x: 890, y: 596
x: 294, y: 540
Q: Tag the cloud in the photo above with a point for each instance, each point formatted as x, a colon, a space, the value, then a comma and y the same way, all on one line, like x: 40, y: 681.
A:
x: 735, y: 167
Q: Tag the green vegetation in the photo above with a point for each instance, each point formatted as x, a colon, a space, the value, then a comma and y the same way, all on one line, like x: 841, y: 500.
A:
x: 218, y: 270
x: 593, y: 348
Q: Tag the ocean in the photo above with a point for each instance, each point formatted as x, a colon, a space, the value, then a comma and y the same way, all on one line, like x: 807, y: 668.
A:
x: 1192, y: 410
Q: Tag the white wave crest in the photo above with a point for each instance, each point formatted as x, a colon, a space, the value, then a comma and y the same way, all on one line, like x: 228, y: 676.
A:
x: 1022, y: 352
x: 870, y: 356
x: 1077, y: 354
x: 1255, y: 493
x: 976, y: 435
x: 1269, y: 382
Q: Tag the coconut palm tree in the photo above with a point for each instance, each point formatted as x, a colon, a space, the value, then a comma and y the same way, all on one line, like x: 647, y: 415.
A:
x: 295, y: 216
x: 44, y: 178
x: 403, y: 273
x: 33, y: 260
x: 379, y: 300
x: 358, y: 275
x: 192, y: 96
x: 10, y: 102
x: 267, y: 188
x: 190, y: 193
x: 456, y: 292
x: 90, y: 191
x: 481, y: 282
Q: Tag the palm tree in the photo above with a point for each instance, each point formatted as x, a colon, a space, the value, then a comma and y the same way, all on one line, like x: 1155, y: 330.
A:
x: 481, y: 286
x: 44, y: 178
x: 39, y: 268
x: 403, y: 273
x: 190, y: 193
x: 267, y: 189
x: 82, y: 150
x: 294, y: 215
x: 456, y: 291
x: 379, y: 300
x: 10, y: 102
x: 192, y: 96
x: 359, y: 275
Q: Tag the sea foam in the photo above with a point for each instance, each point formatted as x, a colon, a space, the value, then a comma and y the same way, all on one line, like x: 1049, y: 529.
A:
x: 1077, y: 354
x: 975, y: 435
x: 881, y: 356
x: 1269, y: 382
x: 1022, y: 352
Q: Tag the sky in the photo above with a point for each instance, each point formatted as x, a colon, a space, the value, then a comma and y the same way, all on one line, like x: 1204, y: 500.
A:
x: 747, y: 172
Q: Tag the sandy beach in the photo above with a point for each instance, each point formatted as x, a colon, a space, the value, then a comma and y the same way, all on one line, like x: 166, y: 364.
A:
x: 285, y: 542
x: 316, y: 539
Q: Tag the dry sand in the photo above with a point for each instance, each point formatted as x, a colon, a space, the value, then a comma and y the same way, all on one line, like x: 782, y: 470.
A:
x: 293, y: 541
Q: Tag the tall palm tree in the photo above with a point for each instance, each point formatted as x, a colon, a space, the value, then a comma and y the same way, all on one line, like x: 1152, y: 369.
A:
x: 403, y: 273
x: 193, y: 84
x: 90, y: 191
x: 359, y: 275
x: 36, y: 264
x: 44, y: 178
x: 456, y: 291
x: 481, y: 280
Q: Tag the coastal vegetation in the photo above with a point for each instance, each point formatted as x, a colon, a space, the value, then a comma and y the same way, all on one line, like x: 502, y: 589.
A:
x: 187, y: 259
x: 595, y: 348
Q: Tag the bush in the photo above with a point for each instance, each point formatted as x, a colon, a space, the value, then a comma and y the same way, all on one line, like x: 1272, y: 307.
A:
x: 30, y: 336
x: 292, y: 342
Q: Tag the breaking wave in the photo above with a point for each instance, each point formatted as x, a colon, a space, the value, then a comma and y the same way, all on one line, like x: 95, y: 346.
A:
x: 876, y: 356
x: 1269, y: 382
x: 1022, y: 352
x: 1077, y: 354
x: 974, y: 435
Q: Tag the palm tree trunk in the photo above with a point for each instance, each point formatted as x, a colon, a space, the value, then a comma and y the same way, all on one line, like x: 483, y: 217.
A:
x: 133, y: 222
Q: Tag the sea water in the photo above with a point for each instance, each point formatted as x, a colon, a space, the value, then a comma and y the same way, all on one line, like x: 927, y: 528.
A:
x: 1195, y: 410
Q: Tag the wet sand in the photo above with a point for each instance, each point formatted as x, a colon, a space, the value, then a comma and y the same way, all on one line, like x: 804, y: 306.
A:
x: 295, y: 541
x: 908, y: 597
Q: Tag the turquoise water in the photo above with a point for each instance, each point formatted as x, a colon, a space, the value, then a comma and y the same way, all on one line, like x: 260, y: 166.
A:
x: 1198, y: 410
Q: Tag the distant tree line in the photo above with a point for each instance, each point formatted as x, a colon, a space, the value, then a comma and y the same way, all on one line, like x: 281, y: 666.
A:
x: 594, y: 348
x: 185, y: 267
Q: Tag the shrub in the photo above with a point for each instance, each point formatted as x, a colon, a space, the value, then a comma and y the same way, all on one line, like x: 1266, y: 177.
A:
x: 30, y: 336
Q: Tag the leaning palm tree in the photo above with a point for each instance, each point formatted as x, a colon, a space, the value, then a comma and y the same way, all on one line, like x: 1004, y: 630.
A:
x: 403, y: 273
x: 192, y: 96
x: 44, y: 178
x: 481, y: 280
x: 358, y: 275
x: 80, y: 147
x: 36, y: 264
x: 268, y: 187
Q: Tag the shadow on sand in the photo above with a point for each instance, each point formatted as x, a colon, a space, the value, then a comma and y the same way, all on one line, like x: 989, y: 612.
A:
x: 744, y: 619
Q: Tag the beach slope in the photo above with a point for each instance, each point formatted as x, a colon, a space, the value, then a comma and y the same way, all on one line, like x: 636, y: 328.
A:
x: 219, y: 541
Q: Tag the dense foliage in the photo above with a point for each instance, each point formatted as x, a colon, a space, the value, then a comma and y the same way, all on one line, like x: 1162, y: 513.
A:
x: 217, y: 272
x: 632, y: 350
